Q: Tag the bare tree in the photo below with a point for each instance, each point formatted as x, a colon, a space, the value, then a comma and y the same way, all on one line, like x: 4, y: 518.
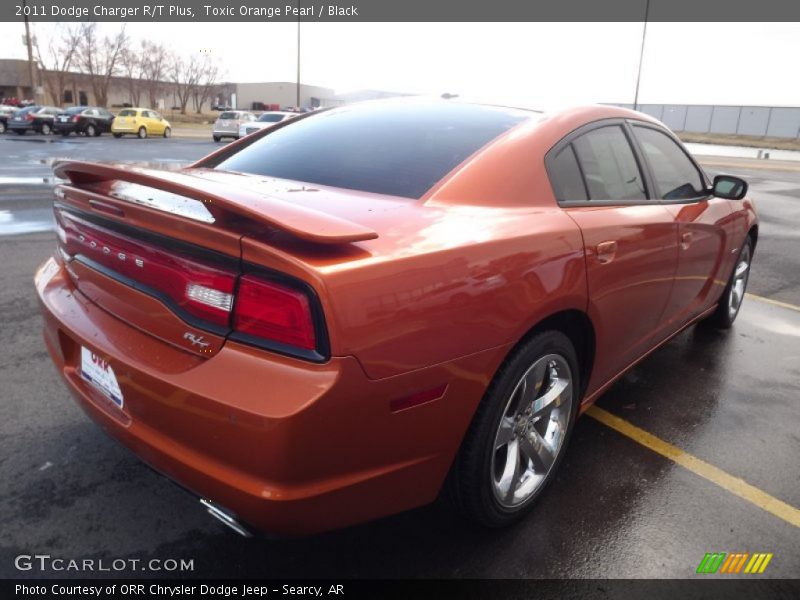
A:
x: 185, y: 75
x: 209, y: 77
x: 100, y: 58
x: 155, y: 63
x: 133, y: 62
x: 56, y: 58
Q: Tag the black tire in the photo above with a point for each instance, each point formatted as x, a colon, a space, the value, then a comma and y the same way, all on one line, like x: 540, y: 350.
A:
x: 90, y: 131
x: 21, y: 131
x: 117, y: 135
x: 142, y: 133
x: 216, y: 138
x: 724, y: 316
x: 45, y: 129
x: 167, y: 132
x: 469, y: 486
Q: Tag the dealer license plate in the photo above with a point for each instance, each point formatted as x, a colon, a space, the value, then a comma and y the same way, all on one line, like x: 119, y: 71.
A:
x: 98, y: 372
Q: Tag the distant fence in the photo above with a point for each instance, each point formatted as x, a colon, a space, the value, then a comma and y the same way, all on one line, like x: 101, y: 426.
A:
x: 772, y: 121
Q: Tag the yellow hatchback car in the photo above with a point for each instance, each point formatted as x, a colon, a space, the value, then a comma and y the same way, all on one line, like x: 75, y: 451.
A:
x: 141, y: 122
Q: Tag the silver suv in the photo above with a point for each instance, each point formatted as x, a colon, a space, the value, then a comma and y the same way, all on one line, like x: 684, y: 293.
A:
x: 228, y: 123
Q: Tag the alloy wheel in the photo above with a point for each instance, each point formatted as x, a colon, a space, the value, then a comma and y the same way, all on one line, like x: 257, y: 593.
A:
x: 532, y: 430
x: 739, y: 284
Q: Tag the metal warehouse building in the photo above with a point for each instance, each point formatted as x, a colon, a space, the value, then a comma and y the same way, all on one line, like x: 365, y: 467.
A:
x: 759, y: 121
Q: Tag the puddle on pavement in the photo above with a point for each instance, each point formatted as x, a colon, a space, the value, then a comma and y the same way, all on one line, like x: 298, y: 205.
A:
x: 28, y: 180
x: 26, y: 221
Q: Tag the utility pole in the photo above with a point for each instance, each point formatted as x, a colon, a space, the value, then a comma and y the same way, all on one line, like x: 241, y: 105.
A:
x: 641, y: 56
x: 30, y: 49
x: 297, y: 104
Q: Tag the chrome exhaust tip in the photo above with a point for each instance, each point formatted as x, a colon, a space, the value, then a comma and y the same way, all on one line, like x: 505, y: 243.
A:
x: 225, y: 517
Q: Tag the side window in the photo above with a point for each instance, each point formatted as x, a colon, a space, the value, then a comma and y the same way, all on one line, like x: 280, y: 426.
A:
x: 609, y: 165
x: 676, y: 177
x: 565, y: 175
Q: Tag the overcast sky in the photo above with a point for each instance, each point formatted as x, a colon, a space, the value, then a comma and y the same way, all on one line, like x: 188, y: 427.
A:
x: 523, y: 64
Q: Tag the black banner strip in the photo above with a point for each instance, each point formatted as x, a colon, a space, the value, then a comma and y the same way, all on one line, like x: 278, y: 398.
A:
x: 409, y: 11
x: 752, y: 588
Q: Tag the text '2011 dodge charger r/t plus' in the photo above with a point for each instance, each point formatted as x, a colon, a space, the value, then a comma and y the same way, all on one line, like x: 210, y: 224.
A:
x: 356, y: 311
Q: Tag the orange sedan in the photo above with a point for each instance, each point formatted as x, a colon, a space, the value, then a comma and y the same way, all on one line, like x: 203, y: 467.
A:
x: 355, y: 311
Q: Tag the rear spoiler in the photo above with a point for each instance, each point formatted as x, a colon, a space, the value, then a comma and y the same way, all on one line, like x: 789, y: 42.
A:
x: 305, y: 223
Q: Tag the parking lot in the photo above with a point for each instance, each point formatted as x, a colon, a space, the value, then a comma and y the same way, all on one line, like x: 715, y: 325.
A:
x: 619, y: 508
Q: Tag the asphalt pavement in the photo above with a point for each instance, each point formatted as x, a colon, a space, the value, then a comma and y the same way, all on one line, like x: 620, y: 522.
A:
x: 619, y: 507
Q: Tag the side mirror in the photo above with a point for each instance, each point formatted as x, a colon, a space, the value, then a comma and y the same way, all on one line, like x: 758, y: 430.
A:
x: 729, y: 187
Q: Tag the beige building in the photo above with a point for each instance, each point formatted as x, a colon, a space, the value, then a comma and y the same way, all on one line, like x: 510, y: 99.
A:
x: 256, y: 96
x: 75, y: 89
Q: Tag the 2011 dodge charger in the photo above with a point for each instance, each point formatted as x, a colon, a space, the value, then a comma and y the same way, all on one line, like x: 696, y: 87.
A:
x: 361, y: 309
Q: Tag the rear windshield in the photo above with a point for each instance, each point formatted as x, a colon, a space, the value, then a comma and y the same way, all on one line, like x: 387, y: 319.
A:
x: 127, y: 113
x: 401, y: 149
x: 75, y: 110
x: 229, y: 115
x: 29, y: 109
x: 270, y: 117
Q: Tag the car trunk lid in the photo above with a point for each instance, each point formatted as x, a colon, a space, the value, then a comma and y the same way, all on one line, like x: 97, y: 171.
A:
x: 163, y: 251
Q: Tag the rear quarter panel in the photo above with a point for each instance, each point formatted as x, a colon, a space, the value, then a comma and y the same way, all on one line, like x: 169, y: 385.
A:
x: 473, y: 279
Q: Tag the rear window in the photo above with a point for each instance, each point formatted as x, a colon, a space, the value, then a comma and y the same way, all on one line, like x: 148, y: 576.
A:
x: 270, y: 117
x: 401, y: 149
x: 28, y: 109
x: 75, y: 110
x: 229, y: 115
x: 127, y: 113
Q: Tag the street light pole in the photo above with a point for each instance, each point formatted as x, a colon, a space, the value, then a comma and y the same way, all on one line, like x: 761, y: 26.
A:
x: 641, y: 56
x: 30, y: 48
x: 297, y: 104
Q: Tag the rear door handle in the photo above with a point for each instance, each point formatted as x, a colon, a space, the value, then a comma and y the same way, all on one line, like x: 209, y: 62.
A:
x: 606, y: 251
x: 686, y: 240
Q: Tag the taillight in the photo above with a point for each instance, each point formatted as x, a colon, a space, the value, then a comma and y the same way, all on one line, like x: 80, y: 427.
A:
x: 274, y: 313
x: 76, y: 118
x: 202, y: 290
x: 29, y: 117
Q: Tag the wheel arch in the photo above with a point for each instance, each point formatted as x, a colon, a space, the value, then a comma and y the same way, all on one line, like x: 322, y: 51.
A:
x: 753, y: 235
x: 578, y: 327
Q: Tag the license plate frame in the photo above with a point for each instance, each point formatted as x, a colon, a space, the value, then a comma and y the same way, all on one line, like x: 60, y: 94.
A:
x: 96, y: 371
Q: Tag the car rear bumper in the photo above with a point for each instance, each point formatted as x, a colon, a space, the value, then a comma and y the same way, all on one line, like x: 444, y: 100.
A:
x: 64, y: 127
x: 225, y: 133
x: 288, y: 447
x: 20, y: 126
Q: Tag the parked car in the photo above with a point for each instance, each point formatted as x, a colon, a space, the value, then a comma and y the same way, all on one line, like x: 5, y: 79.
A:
x: 140, y: 122
x: 382, y: 302
x: 5, y: 112
x: 33, y: 118
x: 229, y: 123
x: 89, y: 120
x: 267, y: 119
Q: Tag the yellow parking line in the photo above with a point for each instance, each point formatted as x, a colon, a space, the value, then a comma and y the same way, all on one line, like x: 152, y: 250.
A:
x: 774, y: 302
x: 734, y: 485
